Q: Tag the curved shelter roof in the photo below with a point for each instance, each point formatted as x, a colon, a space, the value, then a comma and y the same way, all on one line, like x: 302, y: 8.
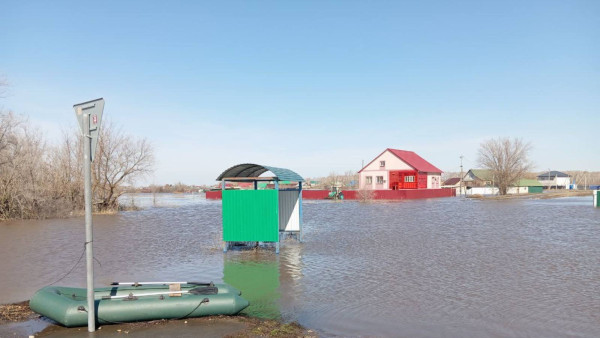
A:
x: 251, y: 170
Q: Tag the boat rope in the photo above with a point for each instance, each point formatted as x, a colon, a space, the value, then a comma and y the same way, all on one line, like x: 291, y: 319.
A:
x: 73, y: 268
x: 82, y: 308
x: 205, y: 300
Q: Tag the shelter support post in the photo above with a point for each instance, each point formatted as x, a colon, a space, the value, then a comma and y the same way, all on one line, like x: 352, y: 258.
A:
x: 300, y: 210
x: 223, y: 185
x: 278, y: 225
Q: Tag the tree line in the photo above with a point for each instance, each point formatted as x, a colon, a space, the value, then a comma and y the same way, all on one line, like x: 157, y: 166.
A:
x: 40, y: 180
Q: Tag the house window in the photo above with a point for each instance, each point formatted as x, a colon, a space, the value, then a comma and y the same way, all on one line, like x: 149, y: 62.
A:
x: 379, y: 179
x: 369, y: 179
x: 382, y: 164
x: 409, y: 178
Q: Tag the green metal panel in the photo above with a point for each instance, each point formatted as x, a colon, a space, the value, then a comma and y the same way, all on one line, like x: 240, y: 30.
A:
x: 535, y: 190
x: 598, y: 198
x: 250, y: 215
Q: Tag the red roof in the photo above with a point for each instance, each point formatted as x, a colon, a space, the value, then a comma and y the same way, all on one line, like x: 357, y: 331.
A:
x: 413, y: 160
x: 452, y: 181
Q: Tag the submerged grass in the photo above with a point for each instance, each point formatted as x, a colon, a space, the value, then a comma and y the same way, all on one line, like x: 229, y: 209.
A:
x: 272, y: 328
x: 15, y: 312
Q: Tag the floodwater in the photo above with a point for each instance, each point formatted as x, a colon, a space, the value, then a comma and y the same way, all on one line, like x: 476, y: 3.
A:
x: 449, y: 267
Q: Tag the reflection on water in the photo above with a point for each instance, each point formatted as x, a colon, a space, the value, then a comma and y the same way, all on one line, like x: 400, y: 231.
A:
x: 256, y: 274
x: 445, y: 267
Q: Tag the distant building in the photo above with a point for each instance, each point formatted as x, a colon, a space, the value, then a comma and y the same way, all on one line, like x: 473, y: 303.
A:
x: 452, y: 183
x: 532, y: 186
x: 479, y: 178
x: 482, y: 182
x: 554, y: 180
x: 397, y: 169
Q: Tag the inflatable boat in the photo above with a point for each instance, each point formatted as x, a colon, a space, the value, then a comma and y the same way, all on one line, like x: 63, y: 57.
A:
x: 130, y: 302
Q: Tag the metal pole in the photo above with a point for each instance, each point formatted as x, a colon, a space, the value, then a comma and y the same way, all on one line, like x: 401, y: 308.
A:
x: 223, y: 186
x: 89, y: 251
x: 461, y: 175
x: 278, y: 233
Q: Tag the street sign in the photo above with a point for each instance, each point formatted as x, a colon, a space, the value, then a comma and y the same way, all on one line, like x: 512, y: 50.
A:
x: 94, y: 109
x: 89, y: 116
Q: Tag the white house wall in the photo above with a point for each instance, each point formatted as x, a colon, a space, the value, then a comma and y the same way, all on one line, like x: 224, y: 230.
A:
x: 496, y: 191
x: 392, y: 162
x: 482, y: 191
x: 517, y: 190
x: 374, y: 174
x: 434, y: 181
x: 561, y: 182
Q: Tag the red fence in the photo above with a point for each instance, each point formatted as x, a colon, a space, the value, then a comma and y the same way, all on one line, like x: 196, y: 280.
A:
x: 408, y: 194
x: 315, y: 194
x: 214, y: 195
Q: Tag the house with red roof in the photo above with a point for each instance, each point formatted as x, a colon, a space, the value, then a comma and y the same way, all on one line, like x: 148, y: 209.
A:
x: 397, y: 169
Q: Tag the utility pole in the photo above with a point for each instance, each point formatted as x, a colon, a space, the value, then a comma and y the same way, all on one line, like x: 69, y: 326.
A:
x: 461, y: 175
x: 89, y: 115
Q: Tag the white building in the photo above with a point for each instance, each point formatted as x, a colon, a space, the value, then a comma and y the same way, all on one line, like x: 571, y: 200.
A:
x: 397, y: 169
x: 554, y: 180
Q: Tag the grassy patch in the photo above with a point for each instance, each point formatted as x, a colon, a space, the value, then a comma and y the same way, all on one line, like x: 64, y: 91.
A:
x: 15, y: 312
x: 273, y: 328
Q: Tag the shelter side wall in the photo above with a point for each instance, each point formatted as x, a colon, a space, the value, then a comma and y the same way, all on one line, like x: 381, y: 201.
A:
x: 250, y: 216
x: 289, y: 211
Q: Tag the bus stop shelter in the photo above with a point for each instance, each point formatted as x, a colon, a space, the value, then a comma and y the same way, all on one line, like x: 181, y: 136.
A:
x: 260, y: 214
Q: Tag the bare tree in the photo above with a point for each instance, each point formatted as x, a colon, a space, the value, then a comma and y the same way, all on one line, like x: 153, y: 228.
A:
x: 65, y: 162
x: 507, y: 159
x: 24, y: 192
x: 365, y: 194
x: 120, y: 159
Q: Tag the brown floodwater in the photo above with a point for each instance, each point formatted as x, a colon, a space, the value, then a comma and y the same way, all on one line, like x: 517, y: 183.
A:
x: 448, y: 267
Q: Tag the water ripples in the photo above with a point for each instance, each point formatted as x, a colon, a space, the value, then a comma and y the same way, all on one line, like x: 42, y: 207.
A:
x: 445, y: 267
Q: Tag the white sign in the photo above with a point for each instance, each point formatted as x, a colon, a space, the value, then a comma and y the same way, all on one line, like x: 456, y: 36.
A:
x: 94, y: 109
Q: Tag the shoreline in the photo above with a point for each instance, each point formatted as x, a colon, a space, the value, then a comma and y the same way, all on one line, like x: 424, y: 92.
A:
x: 17, y: 319
x: 546, y: 195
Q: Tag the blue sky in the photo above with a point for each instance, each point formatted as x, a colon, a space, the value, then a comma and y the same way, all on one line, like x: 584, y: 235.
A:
x: 315, y: 86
